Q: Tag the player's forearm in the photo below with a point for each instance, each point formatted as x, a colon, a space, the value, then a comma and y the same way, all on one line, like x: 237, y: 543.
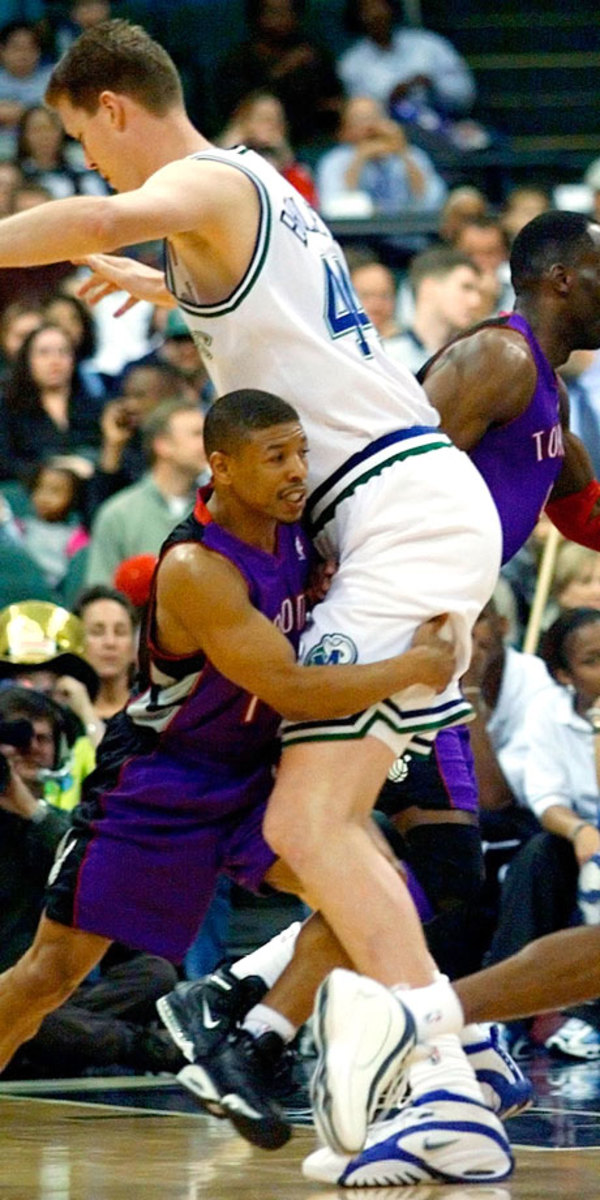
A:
x: 319, y: 693
x: 57, y: 231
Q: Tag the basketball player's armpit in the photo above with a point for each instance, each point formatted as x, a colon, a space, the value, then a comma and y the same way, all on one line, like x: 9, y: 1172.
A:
x: 577, y: 516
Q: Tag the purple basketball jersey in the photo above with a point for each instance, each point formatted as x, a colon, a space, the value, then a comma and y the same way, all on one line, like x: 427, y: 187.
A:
x: 521, y: 461
x: 200, y: 715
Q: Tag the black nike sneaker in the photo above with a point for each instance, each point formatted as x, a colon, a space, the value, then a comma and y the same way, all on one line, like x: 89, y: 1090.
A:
x: 201, y: 1013
x: 235, y: 1081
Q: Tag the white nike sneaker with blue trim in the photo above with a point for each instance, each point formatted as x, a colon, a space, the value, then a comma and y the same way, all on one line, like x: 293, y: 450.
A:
x: 441, y: 1138
x: 364, y: 1037
x: 506, y: 1090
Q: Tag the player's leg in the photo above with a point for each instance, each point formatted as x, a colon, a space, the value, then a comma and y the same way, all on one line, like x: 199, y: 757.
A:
x: 46, y: 975
x: 555, y: 971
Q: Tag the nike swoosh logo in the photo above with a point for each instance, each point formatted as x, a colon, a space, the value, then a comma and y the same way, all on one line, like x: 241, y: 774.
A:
x: 431, y: 1143
x: 207, y: 1018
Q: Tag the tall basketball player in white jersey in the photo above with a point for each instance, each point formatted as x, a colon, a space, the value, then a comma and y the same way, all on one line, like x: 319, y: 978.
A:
x: 265, y: 291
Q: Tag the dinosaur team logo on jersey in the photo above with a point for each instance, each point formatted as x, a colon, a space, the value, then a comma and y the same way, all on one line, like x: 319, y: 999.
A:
x: 332, y: 649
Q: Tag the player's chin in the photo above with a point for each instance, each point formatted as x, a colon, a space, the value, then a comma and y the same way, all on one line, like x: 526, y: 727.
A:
x: 290, y: 511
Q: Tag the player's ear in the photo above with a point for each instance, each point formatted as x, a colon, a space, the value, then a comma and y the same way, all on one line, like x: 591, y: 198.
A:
x: 561, y: 278
x: 113, y: 106
x: 219, y: 464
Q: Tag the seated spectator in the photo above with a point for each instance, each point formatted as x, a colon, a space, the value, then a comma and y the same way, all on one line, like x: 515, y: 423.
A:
x: 483, y: 239
x: 41, y: 649
x: 52, y: 533
x: 16, y: 322
x: 461, y: 205
x: 73, y: 19
x: 445, y: 285
x: 576, y: 582
x: 109, y: 1023
x: 121, y: 458
x: 521, y: 205
x: 75, y: 318
x: 561, y: 787
x: 46, y: 408
x: 416, y: 75
x: 375, y: 158
x: 178, y: 349
x: 23, y: 79
x: 375, y: 286
x: 43, y: 158
x: 259, y: 122
x: 138, y: 519
x: 110, y: 645
x: 279, y: 56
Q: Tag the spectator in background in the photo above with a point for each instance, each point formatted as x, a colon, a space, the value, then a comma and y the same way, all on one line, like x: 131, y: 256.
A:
x: 110, y: 645
x: 415, y: 74
x: 42, y: 156
x: 23, y: 79
x: 462, y: 204
x: 561, y: 787
x: 521, y: 205
x: 52, y: 533
x: 42, y: 650
x: 17, y: 321
x: 375, y: 158
x: 483, y: 239
x: 121, y: 458
x: 576, y: 582
x: 581, y: 374
x: 74, y: 317
x: 279, y: 56
x: 178, y: 350
x: 447, y: 294
x: 375, y: 286
x: 139, y: 518
x: 259, y: 122
x: 46, y: 408
x: 81, y: 14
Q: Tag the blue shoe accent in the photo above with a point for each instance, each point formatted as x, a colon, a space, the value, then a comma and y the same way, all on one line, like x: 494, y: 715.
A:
x: 506, y: 1089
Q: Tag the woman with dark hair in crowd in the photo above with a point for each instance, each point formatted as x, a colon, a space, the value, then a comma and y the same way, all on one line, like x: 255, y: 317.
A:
x: 46, y: 409
x: 43, y: 156
x: 75, y: 317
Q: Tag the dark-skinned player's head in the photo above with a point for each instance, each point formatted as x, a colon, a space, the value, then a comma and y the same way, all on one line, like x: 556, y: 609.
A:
x: 557, y: 255
x: 120, y: 57
x: 234, y: 418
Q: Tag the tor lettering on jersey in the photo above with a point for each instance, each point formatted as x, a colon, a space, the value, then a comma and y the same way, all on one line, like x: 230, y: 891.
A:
x: 548, y: 443
x: 333, y: 649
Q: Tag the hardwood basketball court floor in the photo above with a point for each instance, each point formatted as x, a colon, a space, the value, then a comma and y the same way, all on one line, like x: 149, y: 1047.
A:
x: 133, y: 1138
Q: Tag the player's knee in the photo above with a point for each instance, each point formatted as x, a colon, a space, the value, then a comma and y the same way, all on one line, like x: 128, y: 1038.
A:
x: 295, y: 838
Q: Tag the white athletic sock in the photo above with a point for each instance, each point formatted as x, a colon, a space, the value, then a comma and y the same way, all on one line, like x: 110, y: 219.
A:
x: 435, y: 1008
x: 263, y: 1019
x: 270, y: 960
x: 447, y: 1068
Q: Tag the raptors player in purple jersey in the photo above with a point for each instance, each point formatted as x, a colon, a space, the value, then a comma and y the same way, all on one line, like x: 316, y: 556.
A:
x: 185, y: 771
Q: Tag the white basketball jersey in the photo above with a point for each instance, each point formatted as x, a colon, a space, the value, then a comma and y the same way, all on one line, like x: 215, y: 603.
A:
x: 294, y: 327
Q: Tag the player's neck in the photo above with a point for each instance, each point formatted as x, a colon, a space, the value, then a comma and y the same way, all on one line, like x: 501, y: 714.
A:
x: 550, y: 328
x: 252, y: 527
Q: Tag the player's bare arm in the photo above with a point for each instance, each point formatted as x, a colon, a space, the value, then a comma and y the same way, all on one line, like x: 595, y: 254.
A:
x: 197, y: 205
x: 202, y: 603
x: 482, y: 380
x: 577, y: 470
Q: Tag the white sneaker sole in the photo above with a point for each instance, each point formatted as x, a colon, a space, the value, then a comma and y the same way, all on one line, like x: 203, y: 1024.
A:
x: 450, y: 1140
